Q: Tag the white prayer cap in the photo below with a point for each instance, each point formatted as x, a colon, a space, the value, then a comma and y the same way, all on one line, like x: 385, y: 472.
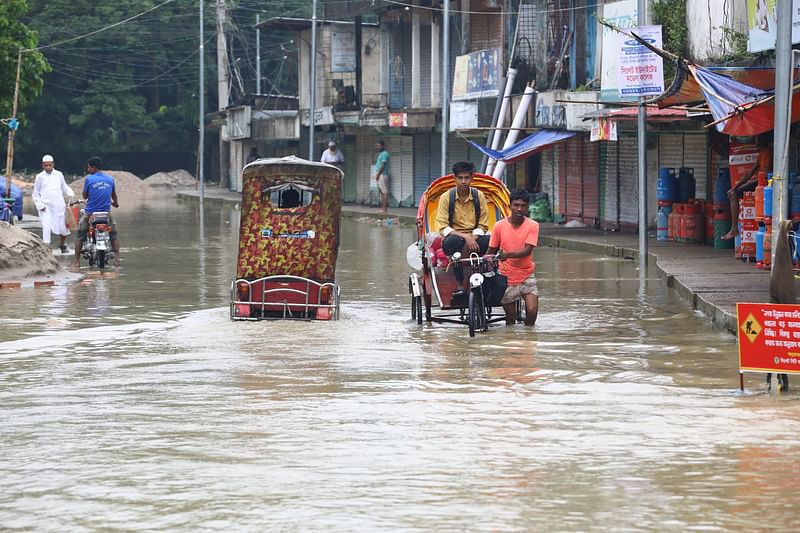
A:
x: 47, y: 159
x: 332, y: 144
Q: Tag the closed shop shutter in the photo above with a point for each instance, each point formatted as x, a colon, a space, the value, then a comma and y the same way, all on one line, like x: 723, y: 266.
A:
x: 570, y: 199
x: 401, y: 183
x: 695, y: 155
x: 670, y: 150
x: 628, y: 168
x: 399, y: 66
x: 425, y: 65
x: 366, y: 159
x: 591, y: 181
x: 427, y: 147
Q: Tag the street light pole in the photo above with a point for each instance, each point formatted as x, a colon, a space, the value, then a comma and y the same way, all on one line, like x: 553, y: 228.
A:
x: 312, y: 104
x: 258, y: 55
x: 202, y: 133
x: 445, y: 83
x: 642, y: 149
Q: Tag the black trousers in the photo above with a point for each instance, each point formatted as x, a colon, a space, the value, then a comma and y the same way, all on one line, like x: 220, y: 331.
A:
x: 453, y: 243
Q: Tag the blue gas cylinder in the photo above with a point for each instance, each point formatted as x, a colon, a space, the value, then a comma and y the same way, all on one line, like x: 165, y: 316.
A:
x: 794, y: 203
x: 662, y: 224
x: 686, y: 185
x: 768, y: 199
x: 721, y: 188
x: 760, y: 243
x: 666, y: 187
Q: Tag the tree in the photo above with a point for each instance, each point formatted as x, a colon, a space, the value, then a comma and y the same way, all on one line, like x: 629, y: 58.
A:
x: 16, y: 36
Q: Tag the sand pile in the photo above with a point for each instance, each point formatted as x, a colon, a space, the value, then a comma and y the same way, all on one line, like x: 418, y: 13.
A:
x: 128, y: 185
x: 23, y: 254
x: 176, y: 179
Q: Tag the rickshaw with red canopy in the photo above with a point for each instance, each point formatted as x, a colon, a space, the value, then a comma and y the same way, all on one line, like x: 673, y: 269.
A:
x: 288, y: 241
x: 434, y: 286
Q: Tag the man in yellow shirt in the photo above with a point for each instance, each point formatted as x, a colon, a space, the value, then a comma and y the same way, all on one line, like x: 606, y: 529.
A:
x: 463, y: 217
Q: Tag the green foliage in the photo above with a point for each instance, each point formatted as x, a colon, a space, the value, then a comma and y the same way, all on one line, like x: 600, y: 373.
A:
x: 671, y: 15
x: 16, y: 36
x: 737, y: 42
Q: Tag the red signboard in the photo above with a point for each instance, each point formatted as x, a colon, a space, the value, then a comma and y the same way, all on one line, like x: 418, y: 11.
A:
x: 769, y: 337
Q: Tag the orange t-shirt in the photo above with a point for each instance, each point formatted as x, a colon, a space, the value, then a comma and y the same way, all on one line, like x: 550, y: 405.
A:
x: 510, y: 239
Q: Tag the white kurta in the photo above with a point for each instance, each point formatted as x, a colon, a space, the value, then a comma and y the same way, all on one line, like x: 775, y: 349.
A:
x: 48, y: 195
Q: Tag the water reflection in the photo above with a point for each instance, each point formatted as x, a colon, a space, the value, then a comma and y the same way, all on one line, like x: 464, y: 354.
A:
x: 136, y: 398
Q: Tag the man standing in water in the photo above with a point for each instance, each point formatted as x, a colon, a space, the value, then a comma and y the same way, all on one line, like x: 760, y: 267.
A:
x: 515, y: 237
x: 48, y: 195
x: 382, y: 174
x: 100, y: 193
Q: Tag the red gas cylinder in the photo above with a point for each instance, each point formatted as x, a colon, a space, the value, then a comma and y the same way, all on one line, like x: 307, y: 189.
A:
x: 768, y: 247
x: 680, y: 234
x: 759, y: 196
x: 709, y: 219
x: 691, y: 228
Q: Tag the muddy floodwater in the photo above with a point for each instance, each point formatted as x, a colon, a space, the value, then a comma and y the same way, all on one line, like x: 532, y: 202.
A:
x: 132, y: 402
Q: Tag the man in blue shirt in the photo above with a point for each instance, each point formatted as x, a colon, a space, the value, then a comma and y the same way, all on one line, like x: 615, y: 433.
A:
x: 100, y: 193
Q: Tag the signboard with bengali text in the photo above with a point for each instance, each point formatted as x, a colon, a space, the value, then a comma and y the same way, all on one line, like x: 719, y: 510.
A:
x: 769, y: 337
x: 641, y: 71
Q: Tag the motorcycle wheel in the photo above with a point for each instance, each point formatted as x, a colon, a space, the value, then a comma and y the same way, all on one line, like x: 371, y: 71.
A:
x: 101, y: 258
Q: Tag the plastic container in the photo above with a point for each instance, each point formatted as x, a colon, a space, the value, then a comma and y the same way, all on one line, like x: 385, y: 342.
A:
x: 794, y: 204
x: 759, y: 195
x: 666, y: 186
x: 768, y: 200
x: 721, y: 187
x: 686, y: 184
x: 662, y: 225
x: 760, y: 245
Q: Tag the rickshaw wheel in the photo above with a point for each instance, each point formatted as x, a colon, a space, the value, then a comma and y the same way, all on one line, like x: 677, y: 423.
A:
x: 416, y: 309
x: 476, y: 317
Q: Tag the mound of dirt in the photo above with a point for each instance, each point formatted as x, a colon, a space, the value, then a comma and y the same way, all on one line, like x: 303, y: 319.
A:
x: 176, y: 179
x: 23, y: 254
x: 128, y: 185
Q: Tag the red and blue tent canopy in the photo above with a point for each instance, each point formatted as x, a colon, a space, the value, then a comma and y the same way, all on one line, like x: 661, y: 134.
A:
x: 528, y: 146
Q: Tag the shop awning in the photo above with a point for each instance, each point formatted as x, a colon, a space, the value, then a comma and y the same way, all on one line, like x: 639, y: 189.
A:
x: 528, y: 146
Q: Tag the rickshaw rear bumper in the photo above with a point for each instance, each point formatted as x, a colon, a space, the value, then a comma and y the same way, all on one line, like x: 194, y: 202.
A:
x: 284, y: 297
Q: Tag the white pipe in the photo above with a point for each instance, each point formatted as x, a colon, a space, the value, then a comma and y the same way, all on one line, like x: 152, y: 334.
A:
x: 501, y: 117
x: 513, y: 133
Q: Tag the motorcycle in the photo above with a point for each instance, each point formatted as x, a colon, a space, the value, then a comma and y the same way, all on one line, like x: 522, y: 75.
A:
x: 97, y: 247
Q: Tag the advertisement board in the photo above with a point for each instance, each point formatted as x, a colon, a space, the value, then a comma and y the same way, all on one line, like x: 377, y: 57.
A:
x: 477, y: 75
x: 762, y: 26
x: 742, y: 157
x: 343, y: 48
x: 623, y: 15
x: 641, y: 71
x: 769, y: 337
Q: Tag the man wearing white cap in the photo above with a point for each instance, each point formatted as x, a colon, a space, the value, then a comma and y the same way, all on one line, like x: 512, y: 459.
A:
x: 48, y: 195
x: 333, y: 156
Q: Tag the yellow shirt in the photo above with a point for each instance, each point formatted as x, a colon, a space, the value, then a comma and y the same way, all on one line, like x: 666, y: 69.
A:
x: 463, y: 215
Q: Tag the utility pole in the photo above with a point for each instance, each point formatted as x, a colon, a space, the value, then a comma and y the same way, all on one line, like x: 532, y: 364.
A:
x: 202, y: 117
x: 258, y: 55
x: 313, y: 101
x: 642, y: 148
x: 12, y: 131
x: 223, y: 68
x: 445, y: 83
x: 783, y: 105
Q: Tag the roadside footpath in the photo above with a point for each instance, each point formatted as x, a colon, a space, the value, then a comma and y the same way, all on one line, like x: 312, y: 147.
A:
x: 711, y: 280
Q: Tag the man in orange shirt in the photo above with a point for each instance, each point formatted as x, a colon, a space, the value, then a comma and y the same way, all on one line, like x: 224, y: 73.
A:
x: 514, y: 239
x: 749, y: 182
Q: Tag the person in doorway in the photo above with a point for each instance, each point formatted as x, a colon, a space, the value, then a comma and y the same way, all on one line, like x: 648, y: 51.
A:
x: 100, y: 193
x: 749, y: 181
x: 49, y: 190
x: 463, y: 217
x: 333, y: 156
x: 253, y: 155
x: 382, y: 174
x: 513, y: 239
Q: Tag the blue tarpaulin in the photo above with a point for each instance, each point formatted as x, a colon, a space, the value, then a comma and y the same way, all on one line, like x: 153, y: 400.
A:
x: 528, y: 146
x: 16, y: 194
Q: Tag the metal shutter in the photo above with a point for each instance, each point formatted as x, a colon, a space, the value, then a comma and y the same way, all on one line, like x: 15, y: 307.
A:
x: 427, y: 150
x: 695, y: 155
x: 570, y: 197
x: 591, y: 181
x: 628, y: 169
x: 425, y: 65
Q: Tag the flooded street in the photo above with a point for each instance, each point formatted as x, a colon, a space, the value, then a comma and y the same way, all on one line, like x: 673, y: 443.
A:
x: 133, y: 402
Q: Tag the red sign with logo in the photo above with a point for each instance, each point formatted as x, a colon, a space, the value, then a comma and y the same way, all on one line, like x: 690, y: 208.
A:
x: 769, y: 337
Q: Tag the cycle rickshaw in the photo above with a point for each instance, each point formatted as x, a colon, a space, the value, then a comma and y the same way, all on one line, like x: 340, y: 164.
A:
x: 288, y: 241
x: 436, y: 279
